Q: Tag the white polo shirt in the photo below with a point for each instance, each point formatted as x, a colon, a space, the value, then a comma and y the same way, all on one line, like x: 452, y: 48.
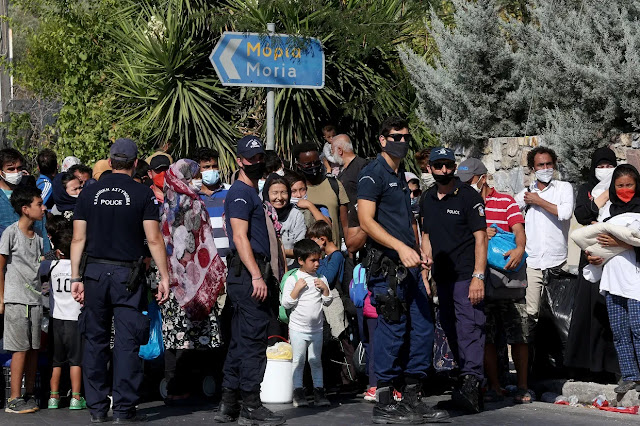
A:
x: 547, y: 234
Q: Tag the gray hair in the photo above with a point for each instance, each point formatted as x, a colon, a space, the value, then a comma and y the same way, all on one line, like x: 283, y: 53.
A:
x: 343, y: 142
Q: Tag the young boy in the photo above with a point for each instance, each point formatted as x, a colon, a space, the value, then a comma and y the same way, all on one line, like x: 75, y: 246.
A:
x: 66, y: 340
x: 304, y: 293
x: 21, y: 300
x: 332, y: 265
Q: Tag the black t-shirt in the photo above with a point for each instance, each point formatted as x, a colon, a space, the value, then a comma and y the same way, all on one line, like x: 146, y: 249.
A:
x: 450, y: 223
x: 114, y: 209
x: 379, y: 183
x: 242, y: 202
x: 349, y: 178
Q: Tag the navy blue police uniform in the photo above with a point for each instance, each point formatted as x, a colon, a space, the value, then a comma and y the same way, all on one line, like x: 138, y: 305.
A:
x: 450, y: 223
x: 379, y: 183
x: 114, y: 210
x: 246, y: 359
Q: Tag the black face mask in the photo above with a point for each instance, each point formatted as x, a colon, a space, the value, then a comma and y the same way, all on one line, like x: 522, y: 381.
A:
x: 443, y: 179
x: 254, y: 171
x: 312, y: 173
x: 396, y: 149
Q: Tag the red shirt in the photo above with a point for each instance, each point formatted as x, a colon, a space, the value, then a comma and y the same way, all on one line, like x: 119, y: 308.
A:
x: 502, y: 210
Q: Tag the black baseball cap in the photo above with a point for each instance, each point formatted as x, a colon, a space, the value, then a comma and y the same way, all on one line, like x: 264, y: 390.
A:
x: 159, y: 161
x: 123, y: 150
x: 249, y: 146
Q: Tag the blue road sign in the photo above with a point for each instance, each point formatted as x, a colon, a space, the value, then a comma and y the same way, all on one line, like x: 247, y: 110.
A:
x: 252, y: 59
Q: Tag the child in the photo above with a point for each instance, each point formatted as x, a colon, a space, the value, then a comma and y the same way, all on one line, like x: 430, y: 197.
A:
x: 304, y: 293
x: 332, y: 265
x: 67, y: 343
x: 21, y: 300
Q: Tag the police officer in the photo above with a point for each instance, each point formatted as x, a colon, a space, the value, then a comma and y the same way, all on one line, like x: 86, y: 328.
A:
x: 248, y: 272
x: 454, y: 240
x: 111, y: 221
x: 393, y: 262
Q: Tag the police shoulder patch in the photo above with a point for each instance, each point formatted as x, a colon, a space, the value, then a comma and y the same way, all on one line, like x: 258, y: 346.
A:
x: 480, y: 208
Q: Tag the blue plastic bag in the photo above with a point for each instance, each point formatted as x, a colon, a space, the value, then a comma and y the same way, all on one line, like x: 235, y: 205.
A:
x: 155, y: 347
x: 499, y: 244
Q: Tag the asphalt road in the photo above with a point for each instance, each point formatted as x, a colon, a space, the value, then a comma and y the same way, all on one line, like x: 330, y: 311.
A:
x: 347, y: 411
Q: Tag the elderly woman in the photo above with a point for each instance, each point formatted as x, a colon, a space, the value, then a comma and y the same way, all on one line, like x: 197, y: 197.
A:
x: 196, y: 276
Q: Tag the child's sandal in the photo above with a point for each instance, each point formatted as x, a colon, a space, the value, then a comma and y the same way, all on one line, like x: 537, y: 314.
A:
x: 53, y: 402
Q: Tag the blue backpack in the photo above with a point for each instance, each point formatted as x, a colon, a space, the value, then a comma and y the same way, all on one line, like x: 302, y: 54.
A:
x: 358, y: 289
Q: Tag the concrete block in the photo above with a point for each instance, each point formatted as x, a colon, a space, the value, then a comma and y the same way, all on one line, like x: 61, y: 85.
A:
x: 633, y: 157
x: 587, y: 391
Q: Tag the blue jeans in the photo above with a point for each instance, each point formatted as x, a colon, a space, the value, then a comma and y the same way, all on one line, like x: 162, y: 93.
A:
x: 392, y: 358
x: 624, y: 316
x: 307, y: 346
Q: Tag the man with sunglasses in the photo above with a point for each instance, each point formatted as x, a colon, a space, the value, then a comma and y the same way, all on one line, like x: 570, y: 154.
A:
x: 393, y: 263
x: 454, y: 241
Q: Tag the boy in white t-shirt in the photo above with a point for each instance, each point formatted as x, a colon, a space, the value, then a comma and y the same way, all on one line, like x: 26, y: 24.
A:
x: 304, y: 293
x: 66, y: 339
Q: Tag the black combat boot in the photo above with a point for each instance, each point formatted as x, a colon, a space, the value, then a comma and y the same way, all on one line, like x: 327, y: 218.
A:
x: 387, y: 411
x: 413, y: 398
x: 229, y: 408
x: 253, y: 413
x: 299, y: 398
x: 468, y: 396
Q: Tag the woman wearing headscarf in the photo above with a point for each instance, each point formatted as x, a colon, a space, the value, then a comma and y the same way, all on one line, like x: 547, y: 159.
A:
x: 197, y: 274
x: 590, y: 347
x: 621, y: 275
x: 66, y: 188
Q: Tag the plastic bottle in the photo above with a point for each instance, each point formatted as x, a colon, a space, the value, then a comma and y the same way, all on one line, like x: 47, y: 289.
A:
x: 561, y: 400
x: 600, y: 401
x: 573, y: 401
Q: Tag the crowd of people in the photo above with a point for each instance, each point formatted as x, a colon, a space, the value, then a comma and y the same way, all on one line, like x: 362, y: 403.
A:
x: 279, y: 248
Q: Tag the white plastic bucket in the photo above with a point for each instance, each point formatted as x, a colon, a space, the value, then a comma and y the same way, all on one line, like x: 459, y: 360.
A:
x: 277, y: 384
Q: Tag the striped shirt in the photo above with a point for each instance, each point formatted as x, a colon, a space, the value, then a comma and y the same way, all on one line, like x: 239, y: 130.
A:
x: 214, y: 204
x: 502, y: 210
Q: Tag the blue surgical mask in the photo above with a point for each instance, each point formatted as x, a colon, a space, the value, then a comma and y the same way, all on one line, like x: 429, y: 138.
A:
x: 210, y: 177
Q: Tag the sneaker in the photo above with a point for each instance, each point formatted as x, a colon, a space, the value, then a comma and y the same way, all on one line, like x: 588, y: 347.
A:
x: 397, y: 395
x: 53, y: 403
x: 31, y: 401
x: 19, y: 406
x: 77, y: 404
x: 319, y: 398
x: 370, y: 394
x: 625, y: 386
x: 299, y: 398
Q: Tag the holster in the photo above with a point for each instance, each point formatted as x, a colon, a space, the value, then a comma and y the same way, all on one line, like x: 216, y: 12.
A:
x: 234, y: 263
x: 136, y: 275
x: 389, y: 305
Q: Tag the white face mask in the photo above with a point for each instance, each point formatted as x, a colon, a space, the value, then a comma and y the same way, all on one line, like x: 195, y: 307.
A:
x: 427, y: 179
x: 261, y: 183
x: 604, y: 174
x: 280, y: 172
x: 544, y: 175
x: 74, y: 195
x: 476, y: 186
x: 294, y: 200
x: 12, y: 178
x: 196, y: 183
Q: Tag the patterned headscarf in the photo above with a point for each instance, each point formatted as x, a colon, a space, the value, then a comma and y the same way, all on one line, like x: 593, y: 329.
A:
x: 196, y: 271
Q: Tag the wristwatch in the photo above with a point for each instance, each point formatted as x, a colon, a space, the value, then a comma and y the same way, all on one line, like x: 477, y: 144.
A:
x: 76, y: 280
x: 478, y: 276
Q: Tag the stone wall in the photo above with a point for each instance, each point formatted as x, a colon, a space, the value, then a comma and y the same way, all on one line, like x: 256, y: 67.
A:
x: 506, y: 159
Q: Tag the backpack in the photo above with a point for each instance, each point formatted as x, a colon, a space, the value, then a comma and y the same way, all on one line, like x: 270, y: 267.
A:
x: 358, y: 289
x: 283, y: 314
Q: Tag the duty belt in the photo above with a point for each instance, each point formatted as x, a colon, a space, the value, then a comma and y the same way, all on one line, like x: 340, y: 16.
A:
x: 234, y: 262
x: 389, y: 305
x: 136, y: 275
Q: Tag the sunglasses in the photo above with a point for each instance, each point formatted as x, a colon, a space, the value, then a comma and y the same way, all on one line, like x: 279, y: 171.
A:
x: 439, y: 166
x: 309, y: 165
x: 397, y: 137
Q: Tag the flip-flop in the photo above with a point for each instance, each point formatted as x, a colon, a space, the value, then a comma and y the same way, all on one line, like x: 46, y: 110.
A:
x: 521, y: 397
x: 492, y: 396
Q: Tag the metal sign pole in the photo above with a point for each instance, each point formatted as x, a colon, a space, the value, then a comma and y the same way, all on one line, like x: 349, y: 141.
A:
x: 271, y: 103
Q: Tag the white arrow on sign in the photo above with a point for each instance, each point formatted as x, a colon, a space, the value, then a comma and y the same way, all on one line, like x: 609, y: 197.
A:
x: 227, y: 55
